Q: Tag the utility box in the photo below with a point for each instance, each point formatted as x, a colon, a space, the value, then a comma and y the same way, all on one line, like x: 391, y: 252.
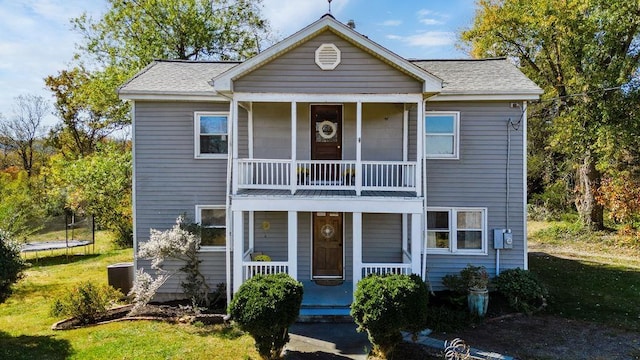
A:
x: 502, y: 239
x: 120, y: 276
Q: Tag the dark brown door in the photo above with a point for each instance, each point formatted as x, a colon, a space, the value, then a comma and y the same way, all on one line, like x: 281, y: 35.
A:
x: 327, y: 245
x: 326, y: 132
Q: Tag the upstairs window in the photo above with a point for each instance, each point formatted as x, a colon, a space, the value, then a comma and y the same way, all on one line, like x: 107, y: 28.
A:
x: 211, y: 135
x: 456, y: 231
x: 441, y: 135
x: 213, y: 227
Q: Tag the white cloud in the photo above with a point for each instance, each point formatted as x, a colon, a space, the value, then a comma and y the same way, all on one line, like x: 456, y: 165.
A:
x: 429, y: 17
x: 426, y: 39
x: 391, y: 23
x: 287, y: 17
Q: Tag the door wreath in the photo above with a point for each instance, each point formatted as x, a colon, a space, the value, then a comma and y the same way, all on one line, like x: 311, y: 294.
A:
x: 327, y: 129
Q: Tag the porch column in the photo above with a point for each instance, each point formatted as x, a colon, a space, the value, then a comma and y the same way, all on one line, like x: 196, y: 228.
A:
x: 292, y: 255
x: 359, y: 167
x: 293, y: 168
x: 416, y: 242
x: 238, y: 249
x: 419, y: 146
x: 233, y: 129
x: 357, y: 249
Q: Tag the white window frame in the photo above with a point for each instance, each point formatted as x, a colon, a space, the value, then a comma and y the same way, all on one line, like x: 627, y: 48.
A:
x: 212, y: 248
x: 455, y: 134
x: 196, y: 134
x: 453, y: 232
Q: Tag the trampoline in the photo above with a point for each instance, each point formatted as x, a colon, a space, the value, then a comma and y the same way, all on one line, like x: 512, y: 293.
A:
x: 72, y: 224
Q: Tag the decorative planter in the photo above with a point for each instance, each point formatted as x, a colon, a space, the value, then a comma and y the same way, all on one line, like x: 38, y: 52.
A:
x: 478, y: 301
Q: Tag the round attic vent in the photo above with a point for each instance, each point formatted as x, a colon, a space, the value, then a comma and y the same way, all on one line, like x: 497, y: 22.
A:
x: 327, y: 56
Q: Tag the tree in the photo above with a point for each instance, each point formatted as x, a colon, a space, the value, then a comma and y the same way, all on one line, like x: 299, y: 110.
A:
x: 22, y: 131
x: 99, y: 185
x: 89, y: 109
x: 585, y: 54
x: 11, y: 265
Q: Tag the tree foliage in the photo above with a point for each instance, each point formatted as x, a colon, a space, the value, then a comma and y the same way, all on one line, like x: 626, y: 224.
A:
x: 11, y: 265
x: 99, y: 185
x: 585, y: 55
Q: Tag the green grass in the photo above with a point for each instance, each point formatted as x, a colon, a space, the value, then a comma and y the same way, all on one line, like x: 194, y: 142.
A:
x: 590, y: 276
x: 25, y: 322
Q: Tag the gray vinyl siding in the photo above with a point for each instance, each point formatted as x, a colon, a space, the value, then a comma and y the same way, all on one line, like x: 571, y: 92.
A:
x: 478, y: 179
x: 170, y: 182
x: 272, y: 241
x: 297, y: 72
x: 381, y: 238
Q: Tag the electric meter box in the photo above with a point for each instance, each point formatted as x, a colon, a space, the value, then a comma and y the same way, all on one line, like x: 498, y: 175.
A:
x: 502, y: 239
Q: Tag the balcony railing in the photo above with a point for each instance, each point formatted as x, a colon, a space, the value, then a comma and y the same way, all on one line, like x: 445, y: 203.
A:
x: 325, y: 175
x: 384, y: 269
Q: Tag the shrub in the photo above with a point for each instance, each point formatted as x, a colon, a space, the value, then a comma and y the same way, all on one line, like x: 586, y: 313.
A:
x: 385, y: 305
x: 265, y: 306
x: 522, y: 289
x: 11, y: 265
x: 86, y: 302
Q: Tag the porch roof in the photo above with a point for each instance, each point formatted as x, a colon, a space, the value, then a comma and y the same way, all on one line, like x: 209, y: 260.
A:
x: 325, y: 193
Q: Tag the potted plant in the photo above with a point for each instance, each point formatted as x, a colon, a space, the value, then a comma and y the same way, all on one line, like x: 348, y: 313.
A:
x: 471, y: 283
x: 478, y: 297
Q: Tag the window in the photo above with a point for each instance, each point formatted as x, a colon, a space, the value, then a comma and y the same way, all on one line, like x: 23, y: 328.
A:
x: 441, y: 135
x: 210, y: 135
x: 213, y: 224
x: 456, y: 230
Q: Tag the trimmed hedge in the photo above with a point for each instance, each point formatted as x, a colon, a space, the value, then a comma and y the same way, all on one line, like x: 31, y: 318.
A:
x: 265, y: 306
x: 385, y: 305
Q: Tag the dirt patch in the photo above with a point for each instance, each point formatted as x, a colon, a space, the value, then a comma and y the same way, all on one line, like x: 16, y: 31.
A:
x: 549, y: 337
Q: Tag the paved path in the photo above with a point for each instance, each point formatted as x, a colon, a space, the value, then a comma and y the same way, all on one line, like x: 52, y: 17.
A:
x: 332, y: 341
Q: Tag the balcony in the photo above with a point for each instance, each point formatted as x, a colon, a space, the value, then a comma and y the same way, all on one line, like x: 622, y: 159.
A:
x: 393, y: 176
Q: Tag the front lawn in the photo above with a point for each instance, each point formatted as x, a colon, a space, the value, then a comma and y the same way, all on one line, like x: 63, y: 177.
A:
x: 25, y: 323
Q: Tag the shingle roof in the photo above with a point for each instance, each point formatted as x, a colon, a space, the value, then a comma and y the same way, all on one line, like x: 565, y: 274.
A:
x: 486, y: 76
x: 178, y: 77
x: 483, y: 76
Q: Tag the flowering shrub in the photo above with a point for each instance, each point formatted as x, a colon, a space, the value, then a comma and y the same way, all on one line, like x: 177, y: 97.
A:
x: 144, y: 288
x: 177, y: 243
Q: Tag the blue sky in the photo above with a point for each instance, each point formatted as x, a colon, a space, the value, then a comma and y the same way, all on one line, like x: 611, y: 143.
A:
x: 36, y: 38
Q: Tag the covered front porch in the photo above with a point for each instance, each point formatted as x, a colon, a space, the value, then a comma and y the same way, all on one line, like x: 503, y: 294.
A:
x: 327, y: 243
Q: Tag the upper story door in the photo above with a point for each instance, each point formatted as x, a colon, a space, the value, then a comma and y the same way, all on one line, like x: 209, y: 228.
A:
x: 326, y: 132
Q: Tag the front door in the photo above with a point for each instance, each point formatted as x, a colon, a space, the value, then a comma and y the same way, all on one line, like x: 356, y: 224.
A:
x: 327, y: 245
x: 326, y: 132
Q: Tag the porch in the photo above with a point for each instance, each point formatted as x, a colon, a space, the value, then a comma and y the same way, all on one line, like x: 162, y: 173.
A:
x: 316, y: 247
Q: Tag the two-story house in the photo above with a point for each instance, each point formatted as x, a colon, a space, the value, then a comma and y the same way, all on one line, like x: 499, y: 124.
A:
x: 336, y: 158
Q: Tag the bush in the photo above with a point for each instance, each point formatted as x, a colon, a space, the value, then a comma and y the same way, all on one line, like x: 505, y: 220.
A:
x: 522, y: 289
x: 11, y: 265
x: 469, y: 277
x: 265, y: 306
x: 385, y: 305
x: 86, y: 302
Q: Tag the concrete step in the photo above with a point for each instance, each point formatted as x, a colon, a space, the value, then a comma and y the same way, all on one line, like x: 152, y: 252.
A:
x: 318, y: 313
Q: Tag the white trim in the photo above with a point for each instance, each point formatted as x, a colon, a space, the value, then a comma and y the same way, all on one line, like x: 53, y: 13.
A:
x: 196, y: 134
x: 327, y: 98
x: 134, y: 179
x: 213, y: 248
x: 294, y: 144
x: 453, y: 228
x: 292, y: 240
x: 359, y: 174
x: 224, y: 81
x: 336, y: 204
x: 405, y: 133
x: 356, y: 248
x: 209, y: 97
x: 416, y: 229
x: 513, y: 96
x: 420, y: 164
x: 525, y: 241
x: 250, y: 130
x: 238, y: 251
x: 456, y: 135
